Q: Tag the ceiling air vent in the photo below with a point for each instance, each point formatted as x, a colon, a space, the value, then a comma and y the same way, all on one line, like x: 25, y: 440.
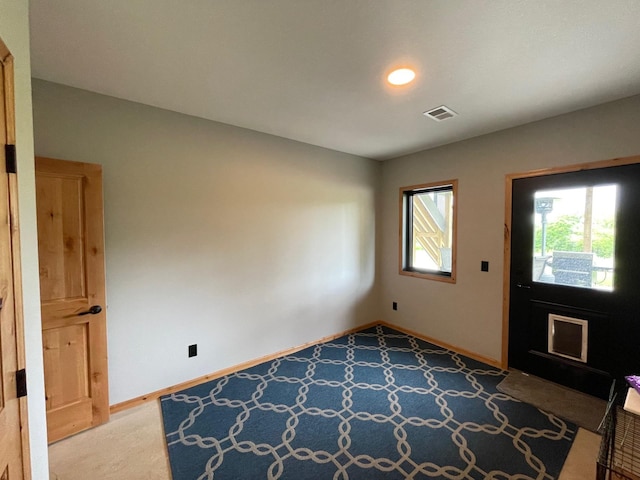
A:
x: 440, y: 113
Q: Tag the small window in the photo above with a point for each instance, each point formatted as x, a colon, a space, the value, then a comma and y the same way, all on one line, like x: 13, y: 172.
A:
x: 427, y: 244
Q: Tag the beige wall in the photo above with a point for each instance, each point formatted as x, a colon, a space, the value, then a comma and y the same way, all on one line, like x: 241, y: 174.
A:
x: 468, y: 314
x: 14, y: 31
x: 241, y: 242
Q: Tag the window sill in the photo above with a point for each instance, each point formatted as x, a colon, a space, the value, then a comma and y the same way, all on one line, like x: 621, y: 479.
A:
x: 429, y: 276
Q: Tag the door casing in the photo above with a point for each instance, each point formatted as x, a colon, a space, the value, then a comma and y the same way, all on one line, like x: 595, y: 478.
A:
x: 12, y: 309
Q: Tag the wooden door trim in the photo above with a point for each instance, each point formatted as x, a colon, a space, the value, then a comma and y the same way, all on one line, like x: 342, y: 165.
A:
x: 9, y: 111
x: 506, y: 277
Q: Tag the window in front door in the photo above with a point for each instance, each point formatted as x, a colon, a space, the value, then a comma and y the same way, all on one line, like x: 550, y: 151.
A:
x: 574, y: 237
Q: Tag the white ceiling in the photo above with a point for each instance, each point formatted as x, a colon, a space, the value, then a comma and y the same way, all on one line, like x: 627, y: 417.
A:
x: 313, y: 70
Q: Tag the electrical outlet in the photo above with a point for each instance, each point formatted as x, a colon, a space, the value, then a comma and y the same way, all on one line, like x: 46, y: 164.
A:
x: 484, y: 266
x: 193, y: 350
x: 395, y: 305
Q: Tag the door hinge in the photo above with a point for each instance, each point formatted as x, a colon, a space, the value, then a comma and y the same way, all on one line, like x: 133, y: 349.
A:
x: 10, y: 157
x: 21, y: 383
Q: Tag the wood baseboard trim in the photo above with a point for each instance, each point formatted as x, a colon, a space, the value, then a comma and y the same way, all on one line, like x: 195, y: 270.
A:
x: 134, y: 402
x: 453, y: 348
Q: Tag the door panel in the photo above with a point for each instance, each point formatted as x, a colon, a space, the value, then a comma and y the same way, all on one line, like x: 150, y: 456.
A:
x: 71, y: 254
x: 11, y: 440
x: 589, y: 278
x: 66, y: 355
x: 61, y: 254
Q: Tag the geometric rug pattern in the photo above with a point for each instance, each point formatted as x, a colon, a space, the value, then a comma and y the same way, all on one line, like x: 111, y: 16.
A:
x: 375, y: 404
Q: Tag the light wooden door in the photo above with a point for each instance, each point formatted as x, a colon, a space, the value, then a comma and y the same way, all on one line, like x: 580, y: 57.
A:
x: 72, y: 294
x: 12, y: 445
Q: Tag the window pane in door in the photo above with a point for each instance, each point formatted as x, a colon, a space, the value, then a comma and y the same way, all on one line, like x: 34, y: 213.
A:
x: 574, y: 237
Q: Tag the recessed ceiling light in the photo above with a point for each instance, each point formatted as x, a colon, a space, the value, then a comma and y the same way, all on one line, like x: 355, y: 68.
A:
x: 401, y: 76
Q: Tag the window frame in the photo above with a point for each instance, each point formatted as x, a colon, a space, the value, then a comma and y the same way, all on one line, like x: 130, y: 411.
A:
x: 406, y: 230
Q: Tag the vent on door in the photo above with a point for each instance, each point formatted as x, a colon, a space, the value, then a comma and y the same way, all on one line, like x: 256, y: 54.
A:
x: 440, y: 113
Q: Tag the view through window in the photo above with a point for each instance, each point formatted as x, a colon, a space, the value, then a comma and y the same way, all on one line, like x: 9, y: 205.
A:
x: 428, y: 220
x: 574, y: 237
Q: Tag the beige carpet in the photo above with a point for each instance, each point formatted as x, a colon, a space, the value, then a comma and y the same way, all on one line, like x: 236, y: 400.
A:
x: 577, y: 407
x: 131, y: 447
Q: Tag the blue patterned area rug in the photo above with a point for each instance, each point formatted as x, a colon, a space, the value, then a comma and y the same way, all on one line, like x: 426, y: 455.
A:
x: 376, y: 404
